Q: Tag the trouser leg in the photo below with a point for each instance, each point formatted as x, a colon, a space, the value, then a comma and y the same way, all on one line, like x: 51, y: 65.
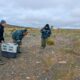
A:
x: 43, y: 43
x: 1, y: 60
x: 19, y: 45
x: 0, y: 51
x: 19, y: 49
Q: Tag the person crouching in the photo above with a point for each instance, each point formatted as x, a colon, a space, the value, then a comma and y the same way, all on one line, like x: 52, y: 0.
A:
x: 17, y: 37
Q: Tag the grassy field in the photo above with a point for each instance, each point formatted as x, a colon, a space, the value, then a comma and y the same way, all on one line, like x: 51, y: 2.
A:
x: 58, y: 62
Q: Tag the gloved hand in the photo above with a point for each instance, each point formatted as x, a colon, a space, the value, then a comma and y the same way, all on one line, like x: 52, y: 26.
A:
x: 2, y: 41
x: 18, y: 42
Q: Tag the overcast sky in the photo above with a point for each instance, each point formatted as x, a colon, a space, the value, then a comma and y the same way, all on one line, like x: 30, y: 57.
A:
x: 36, y: 13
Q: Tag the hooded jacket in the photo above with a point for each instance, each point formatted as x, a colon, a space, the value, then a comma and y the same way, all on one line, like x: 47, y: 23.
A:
x: 46, y: 32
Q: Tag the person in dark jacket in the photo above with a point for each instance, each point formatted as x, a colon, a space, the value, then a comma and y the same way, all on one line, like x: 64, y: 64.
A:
x: 45, y: 33
x: 17, y: 37
x: 2, y: 24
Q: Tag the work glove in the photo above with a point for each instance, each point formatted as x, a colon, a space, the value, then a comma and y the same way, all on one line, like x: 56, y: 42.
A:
x: 18, y: 41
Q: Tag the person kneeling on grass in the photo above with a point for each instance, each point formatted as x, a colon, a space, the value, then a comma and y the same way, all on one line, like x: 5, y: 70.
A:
x: 45, y: 34
x: 17, y: 37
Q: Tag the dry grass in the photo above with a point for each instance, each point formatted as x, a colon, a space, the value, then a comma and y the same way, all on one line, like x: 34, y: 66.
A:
x: 57, y: 62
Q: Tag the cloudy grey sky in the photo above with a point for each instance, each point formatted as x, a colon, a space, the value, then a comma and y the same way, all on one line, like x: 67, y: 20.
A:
x: 36, y: 13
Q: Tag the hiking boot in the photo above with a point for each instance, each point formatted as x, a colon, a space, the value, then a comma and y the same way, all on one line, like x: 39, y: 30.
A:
x: 1, y: 62
x: 19, y: 51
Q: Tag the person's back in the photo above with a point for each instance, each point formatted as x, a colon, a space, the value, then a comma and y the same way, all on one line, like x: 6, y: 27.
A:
x: 17, y: 35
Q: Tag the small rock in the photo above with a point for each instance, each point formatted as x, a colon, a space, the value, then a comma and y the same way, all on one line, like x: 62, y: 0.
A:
x: 46, y: 79
x: 59, y: 79
x: 28, y: 78
x: 52, y: 52
x: 38, y: 62
x: 62, y: 62
x: 12, y: 72
x: 37, y: 76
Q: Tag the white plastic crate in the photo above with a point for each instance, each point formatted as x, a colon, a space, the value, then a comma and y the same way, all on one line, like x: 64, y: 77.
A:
x: 9, y: 47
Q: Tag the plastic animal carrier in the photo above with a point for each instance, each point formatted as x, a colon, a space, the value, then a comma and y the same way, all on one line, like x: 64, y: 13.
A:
x: 9, y: 50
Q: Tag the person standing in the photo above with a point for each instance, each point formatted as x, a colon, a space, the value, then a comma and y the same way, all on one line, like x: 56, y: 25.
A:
x: 45, y: 34
x: 2, y: 24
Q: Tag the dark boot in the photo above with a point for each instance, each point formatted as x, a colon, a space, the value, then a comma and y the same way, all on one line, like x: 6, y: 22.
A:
x: 18, y: 50
x: 1, y: 62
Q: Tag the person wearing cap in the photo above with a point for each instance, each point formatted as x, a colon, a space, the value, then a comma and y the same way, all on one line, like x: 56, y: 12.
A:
x: 45, y: 34
x: 17, y: 37
x: 2, y: 24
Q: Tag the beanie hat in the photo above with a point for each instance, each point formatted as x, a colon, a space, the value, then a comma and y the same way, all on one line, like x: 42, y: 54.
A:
x: 3, y: 21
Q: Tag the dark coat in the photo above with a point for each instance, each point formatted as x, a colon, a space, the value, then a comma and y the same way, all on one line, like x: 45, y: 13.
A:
x: 1, y: 33
x: 17, y: 35
x: 46, y: 32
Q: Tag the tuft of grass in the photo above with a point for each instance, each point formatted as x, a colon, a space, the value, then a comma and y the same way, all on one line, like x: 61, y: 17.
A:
x: 50, y: 41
